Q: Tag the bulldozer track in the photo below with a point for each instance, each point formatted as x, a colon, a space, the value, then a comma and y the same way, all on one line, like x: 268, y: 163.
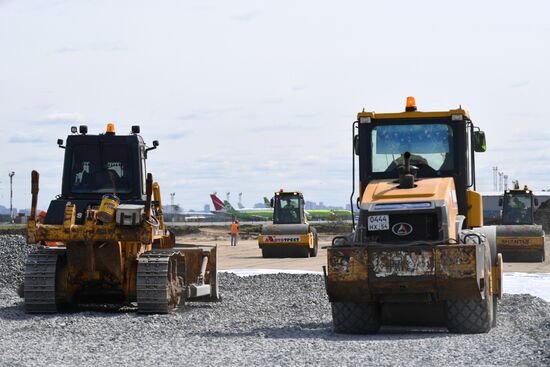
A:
x: 40, y: 281
x: 157, y: 290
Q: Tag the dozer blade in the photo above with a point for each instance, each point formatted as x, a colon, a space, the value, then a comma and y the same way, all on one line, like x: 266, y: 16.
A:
x: 166, y: 278
x: 520, y: 243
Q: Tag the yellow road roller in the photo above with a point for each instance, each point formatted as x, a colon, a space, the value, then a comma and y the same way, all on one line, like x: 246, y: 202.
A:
x: 518, y: 238
x: 290, y: 234
x: 416, y: 256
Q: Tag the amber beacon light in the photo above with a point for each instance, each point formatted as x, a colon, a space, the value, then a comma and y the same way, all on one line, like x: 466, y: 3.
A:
x: 411, y: 104
x: 110, y: 128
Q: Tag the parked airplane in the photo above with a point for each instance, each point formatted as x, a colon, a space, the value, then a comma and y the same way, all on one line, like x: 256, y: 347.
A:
x: 241, y: 213
x: 321, y: 214
x: 267, y: 212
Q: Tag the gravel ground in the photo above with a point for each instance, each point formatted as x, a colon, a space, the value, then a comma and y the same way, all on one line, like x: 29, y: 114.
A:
x: 13, y: 253
x: 279, y: 319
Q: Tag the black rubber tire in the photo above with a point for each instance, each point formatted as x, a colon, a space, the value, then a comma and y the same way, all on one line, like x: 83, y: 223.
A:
x: 304, y: 252
x: 468, y: 316
x: 354, y: 318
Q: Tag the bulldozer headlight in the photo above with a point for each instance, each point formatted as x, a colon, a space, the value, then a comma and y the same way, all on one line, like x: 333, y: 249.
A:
x: 73, y: 129
x: 457, y: 117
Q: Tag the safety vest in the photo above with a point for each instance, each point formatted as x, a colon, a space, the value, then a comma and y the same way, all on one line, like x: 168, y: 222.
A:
x: 234, y: 228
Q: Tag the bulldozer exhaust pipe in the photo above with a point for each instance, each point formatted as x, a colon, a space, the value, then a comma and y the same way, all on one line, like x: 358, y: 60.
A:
x: 34, y: 192
x: 149, y: 193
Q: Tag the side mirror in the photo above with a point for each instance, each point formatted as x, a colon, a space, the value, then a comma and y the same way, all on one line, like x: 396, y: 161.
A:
x: 60, y: 143
x: 500, y: 202
x: 155, y: 145
x: 271, y: 202
x: 480, y: 145
x: 356, y: 144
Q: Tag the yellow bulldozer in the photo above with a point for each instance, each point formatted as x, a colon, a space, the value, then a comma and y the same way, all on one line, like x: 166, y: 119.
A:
x: 518, y: 238
x: 290, y: 235
x: 112, y: 243
x: 417, y: 256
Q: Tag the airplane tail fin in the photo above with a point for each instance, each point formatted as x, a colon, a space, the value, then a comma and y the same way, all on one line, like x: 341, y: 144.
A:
x: 228, y: 206
x: 267, y: 203
x: 218, y: 204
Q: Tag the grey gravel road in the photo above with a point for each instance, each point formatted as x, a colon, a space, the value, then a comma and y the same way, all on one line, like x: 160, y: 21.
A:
x: 263, y: 320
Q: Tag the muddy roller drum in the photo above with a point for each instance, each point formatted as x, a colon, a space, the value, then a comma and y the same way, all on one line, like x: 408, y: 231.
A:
x: 520, y: 243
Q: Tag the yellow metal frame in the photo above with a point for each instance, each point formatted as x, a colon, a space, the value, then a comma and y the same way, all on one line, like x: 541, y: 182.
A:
x: 413, y: 114
x: 475, y: 209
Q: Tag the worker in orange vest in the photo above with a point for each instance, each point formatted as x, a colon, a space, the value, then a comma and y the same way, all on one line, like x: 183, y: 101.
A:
x: 41, y: 219
x: 234, y: 232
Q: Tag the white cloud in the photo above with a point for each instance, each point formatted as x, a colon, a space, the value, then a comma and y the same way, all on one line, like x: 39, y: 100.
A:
x: 27, y: 137
x: 214, y: 83
x: 60, y: 118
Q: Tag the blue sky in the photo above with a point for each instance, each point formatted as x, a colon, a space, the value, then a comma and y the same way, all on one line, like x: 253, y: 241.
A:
x: 249, y: 96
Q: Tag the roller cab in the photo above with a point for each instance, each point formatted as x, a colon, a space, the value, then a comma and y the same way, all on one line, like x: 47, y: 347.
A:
x: 290, y: 235
x: 414, y: 257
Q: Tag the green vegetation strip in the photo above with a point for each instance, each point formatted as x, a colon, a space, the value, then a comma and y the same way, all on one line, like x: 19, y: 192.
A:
x: 20, y: 229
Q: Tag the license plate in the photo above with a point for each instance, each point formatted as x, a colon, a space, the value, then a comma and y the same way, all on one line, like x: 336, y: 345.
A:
x: 378, y: 223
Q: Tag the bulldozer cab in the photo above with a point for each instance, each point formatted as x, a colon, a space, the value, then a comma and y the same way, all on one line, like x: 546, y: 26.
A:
x: 518, y: 206
x: 95, y: 165
x: 288, y: 208
x: 438, y: 144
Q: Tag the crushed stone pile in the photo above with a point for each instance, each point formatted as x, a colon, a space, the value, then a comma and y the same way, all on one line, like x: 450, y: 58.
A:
x: 276, y: 319
x: 13, y: 254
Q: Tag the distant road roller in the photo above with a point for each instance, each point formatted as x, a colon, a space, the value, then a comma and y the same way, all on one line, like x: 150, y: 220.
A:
x: 114, y: 247
x: 415, y: 257
x: 290, y: 235
x: 518, y: 238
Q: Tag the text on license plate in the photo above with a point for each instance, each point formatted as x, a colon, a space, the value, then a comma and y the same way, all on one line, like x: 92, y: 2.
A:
x: 378, y: 222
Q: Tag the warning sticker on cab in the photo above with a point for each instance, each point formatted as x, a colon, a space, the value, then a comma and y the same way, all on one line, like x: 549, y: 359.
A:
x: 378, y: 223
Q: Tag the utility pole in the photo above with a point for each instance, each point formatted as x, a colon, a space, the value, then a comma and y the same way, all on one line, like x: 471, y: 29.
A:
x: 172, y: 207
x: 11, y: 174
x: 240, y: 204
x: 495, y: 178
